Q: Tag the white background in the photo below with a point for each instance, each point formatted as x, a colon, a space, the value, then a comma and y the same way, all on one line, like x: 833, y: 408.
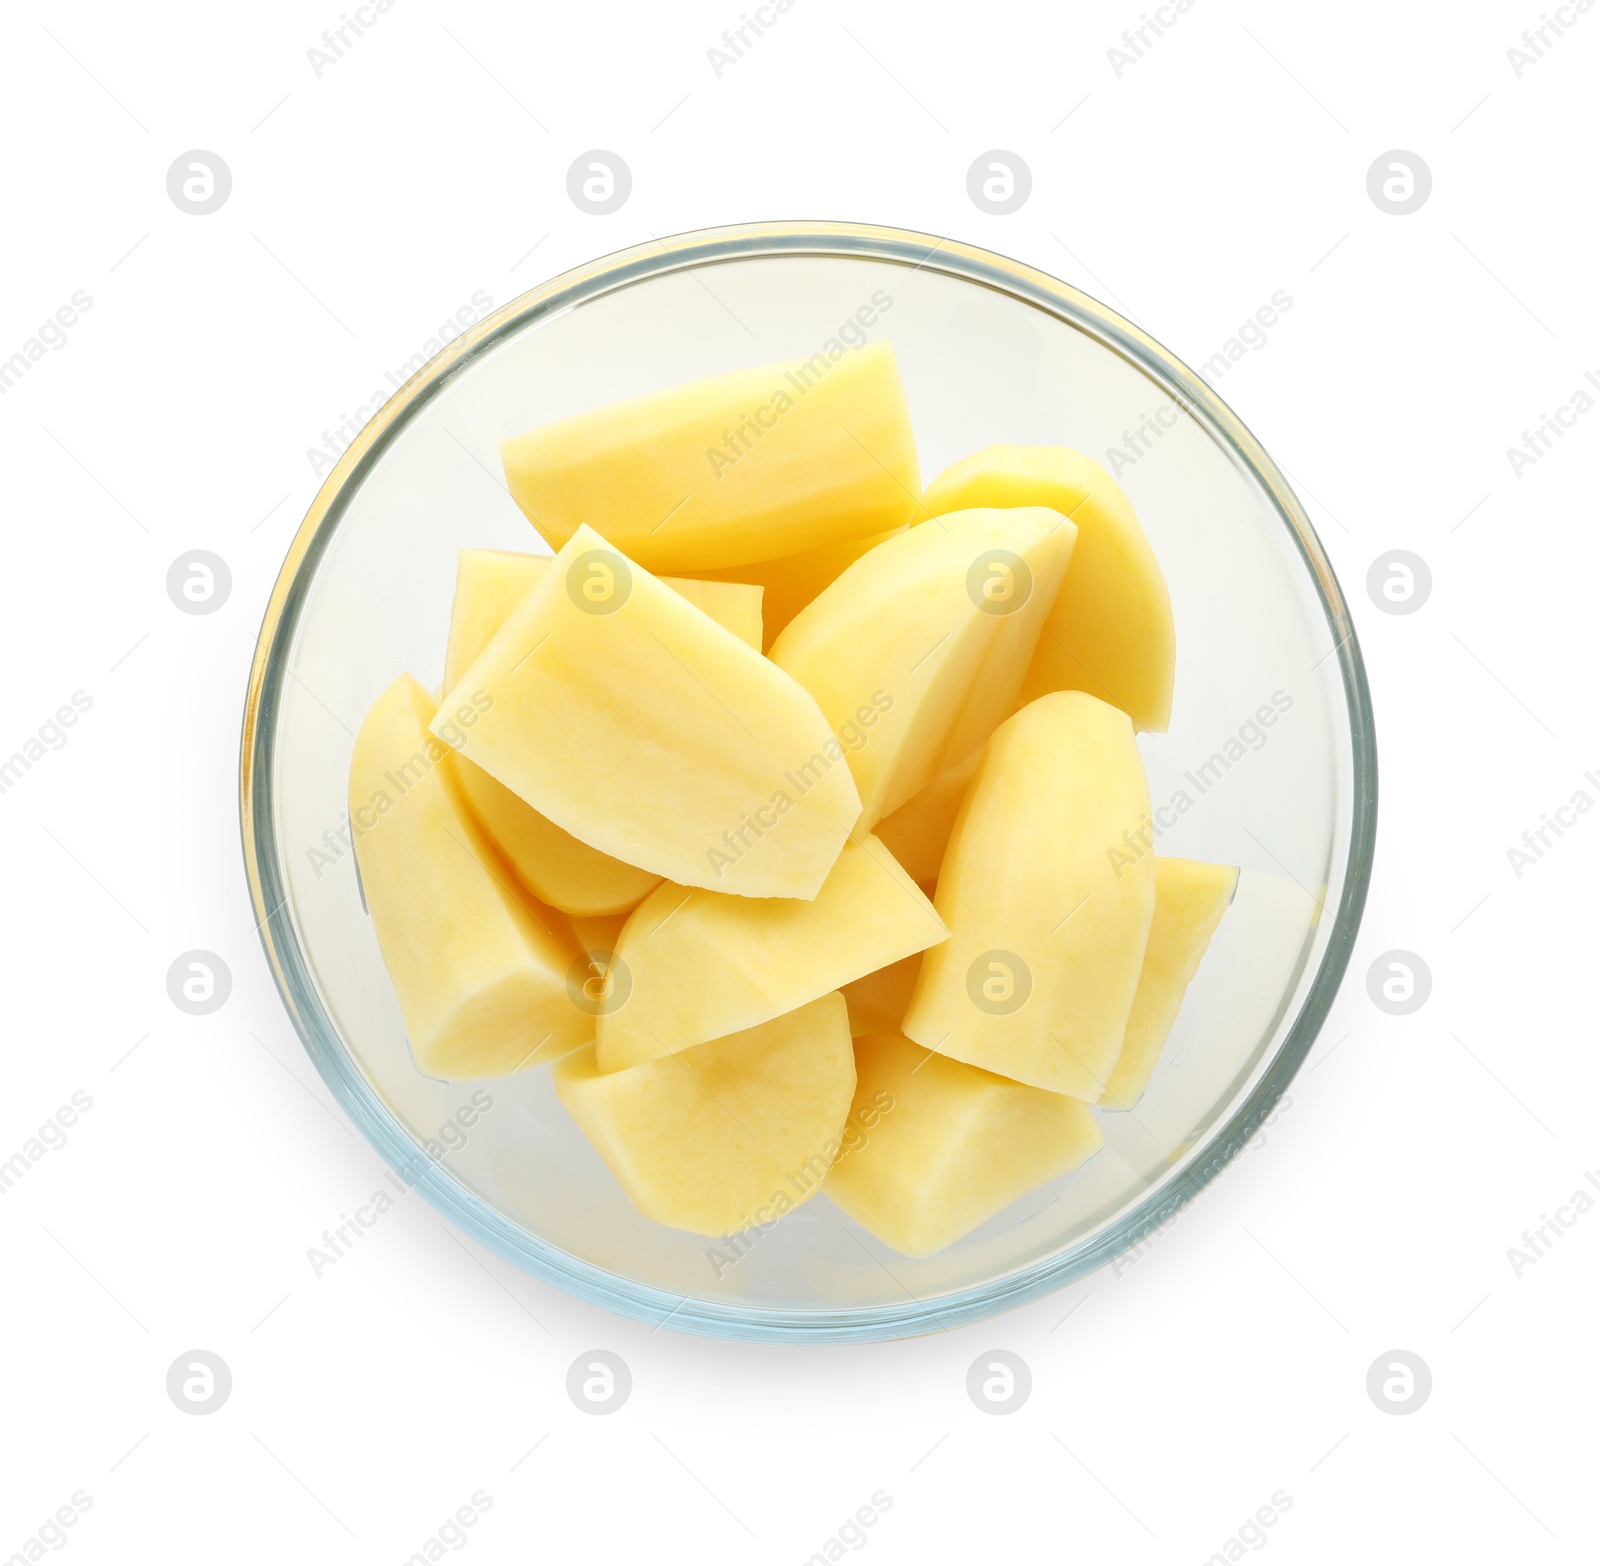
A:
x: 1170, y: 1400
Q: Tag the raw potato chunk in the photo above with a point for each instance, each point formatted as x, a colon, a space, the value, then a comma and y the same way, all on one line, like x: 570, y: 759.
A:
x: 1191, y: 898
x: 952, y: 1145
x: 746, y: 466
x: 1110, y: 632
x: 551, y: 863
x: 919, y: 831
x: 490, y: 583
x: 791, y: 583
x: 480, y: 969
x: 920, y: 647
x: 701, y: 964
x: 647, y: 731
x: 878, y: 1000
x: 1049, y: 895
x: 703, y: 1140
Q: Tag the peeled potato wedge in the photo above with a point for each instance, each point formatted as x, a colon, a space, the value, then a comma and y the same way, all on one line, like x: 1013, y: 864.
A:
x: 752, y: 465
x: 1191, y: 898
x: 701, y: 964
x: 643, y: 728
x: 1110, y: 632
x: 919, y: 648
x: 954, y: 1146
x: 480, y: 969
x: 706, y: 1139
x: 554, y: 865
x: 1048, y: 919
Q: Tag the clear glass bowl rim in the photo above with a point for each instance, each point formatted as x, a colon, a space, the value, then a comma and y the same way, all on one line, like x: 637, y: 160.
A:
x: 289, y: 963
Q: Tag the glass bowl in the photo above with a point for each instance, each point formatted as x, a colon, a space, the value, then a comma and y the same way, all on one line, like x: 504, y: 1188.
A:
x: 1270, y: 762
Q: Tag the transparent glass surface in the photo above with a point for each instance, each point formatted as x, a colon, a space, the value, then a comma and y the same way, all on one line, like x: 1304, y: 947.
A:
x: 1269, y: 763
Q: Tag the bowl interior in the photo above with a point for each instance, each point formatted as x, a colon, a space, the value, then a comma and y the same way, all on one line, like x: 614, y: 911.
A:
x: 1256, y: 771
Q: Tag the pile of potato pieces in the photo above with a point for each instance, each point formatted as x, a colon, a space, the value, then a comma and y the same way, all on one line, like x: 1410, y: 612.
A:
x: 856, y: 895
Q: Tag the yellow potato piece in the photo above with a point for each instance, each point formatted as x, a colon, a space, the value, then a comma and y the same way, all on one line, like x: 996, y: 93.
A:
x: 490, y: 583
x: 878, y: 1000
x: 697, y: 965
x: 1049, y: 895
x: 646, y: 730
x: 948, y: 1146
x: 731, y: 1134
x: 1191, y: 898
x: 751, y: 465
x: 551, y: 863
x: 1110, y: 632
x: 791, y: 583
x: 918, y: 649
x: 918, y: 832
x: 480, y: 968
